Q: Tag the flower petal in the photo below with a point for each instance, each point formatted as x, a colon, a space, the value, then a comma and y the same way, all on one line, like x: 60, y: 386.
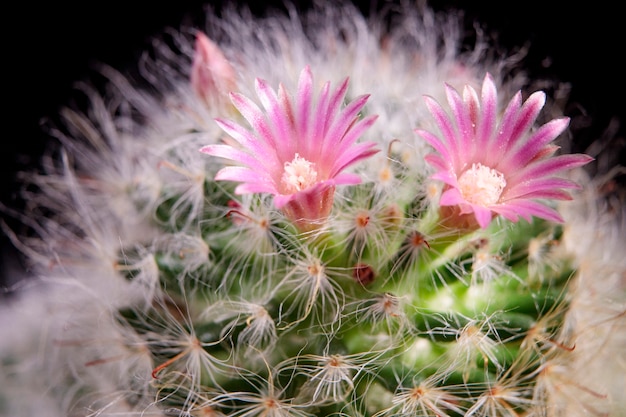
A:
x: 347, y: 145
x: 345, y: 178
x: 446, y: 177
x: 344, y: 121
x: 255, y: 117
x: 449, y: 137
x: 356, y: 153
x: 540, y: 188
x: 436, y: 161
x: 548, y: 167
x: 242, y: 174
x: 228, y: 152
x: 303, y: 108
x: 521, y: 155
x: 483, y: 215
x: 499, y: 143
x: 451, y: 197
x: 278, y: 122
x: 528, y: 208
x: 254, y: 188
x: 249, y: 141
x: 526, y: 117
x: 487, y: 122
x: 461, y: 113
x: 334, y: 104
x: 440, y: 146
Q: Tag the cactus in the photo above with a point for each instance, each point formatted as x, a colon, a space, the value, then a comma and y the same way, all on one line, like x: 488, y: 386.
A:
x: 303, y: 220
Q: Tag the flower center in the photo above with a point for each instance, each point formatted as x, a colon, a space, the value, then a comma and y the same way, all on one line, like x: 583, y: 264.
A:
x: 481, y: 185
x: 298, y: 175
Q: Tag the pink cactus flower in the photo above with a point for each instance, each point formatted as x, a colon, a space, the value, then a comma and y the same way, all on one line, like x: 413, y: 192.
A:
x: 212, y: 76
x: 498, y: 167
x: 298, y: 149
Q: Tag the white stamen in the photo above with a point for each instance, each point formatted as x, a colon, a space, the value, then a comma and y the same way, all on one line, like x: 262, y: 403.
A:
x: 481, y: 185
x: 299, y: 174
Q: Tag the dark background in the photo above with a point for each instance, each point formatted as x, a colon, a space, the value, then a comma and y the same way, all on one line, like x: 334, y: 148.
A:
x: 48, y: 47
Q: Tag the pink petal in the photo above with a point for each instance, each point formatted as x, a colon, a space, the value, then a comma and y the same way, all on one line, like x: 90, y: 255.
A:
x: 347, y: 143
x: 527, y: 116
x: 507, y: 213
x: 346, y: 178
x: 529, y: 189
x: 545, y: 152
x: 483, y: 215
x: 242, y: 174
x: 468, y: 144
x: 286, y: 106
x: 319, y: 121
x: 281, y: 199
x: 499, y: 143
x: 446, y: 177
x: 528, y: 208
x: 552, y: 194
x: 335, y: 103
x: 460, y: 112
x: 254, y: 188
x: 451, y: 197
x: 547, y: 133
x: 355, y: 154
x: 344, y: 121
x: 440, y: 146
x: 250, y: 142
x: 437, y: 162
x: 303, y: 108
x: 487, y: 121
x: 547, y: 167
x: 228, y: 152
x: 255, y: 117
x: 278, y: 121
x: 447, y: 132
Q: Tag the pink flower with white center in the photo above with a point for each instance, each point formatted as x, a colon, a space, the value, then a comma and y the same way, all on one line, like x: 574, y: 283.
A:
x: 492, y: 166
x: 298, y: 149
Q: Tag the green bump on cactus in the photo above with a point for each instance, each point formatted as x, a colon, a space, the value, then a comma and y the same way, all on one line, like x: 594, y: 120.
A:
x: 354, y: 250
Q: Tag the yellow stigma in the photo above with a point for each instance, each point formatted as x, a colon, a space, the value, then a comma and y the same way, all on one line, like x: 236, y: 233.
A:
x: 481, y: 185
x: 299, y: 174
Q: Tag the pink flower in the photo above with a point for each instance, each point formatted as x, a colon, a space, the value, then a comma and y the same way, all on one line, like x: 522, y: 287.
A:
x: 211, y: 74
x: 492, y: 166
x: 298, y: 149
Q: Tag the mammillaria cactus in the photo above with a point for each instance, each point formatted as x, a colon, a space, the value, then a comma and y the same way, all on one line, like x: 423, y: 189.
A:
x: 312, y: 216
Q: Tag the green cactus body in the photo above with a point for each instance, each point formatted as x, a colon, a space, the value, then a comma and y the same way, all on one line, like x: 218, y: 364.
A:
x: 301, y: 315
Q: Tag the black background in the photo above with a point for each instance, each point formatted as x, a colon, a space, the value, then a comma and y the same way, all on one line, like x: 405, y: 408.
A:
x: 47, y: 47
